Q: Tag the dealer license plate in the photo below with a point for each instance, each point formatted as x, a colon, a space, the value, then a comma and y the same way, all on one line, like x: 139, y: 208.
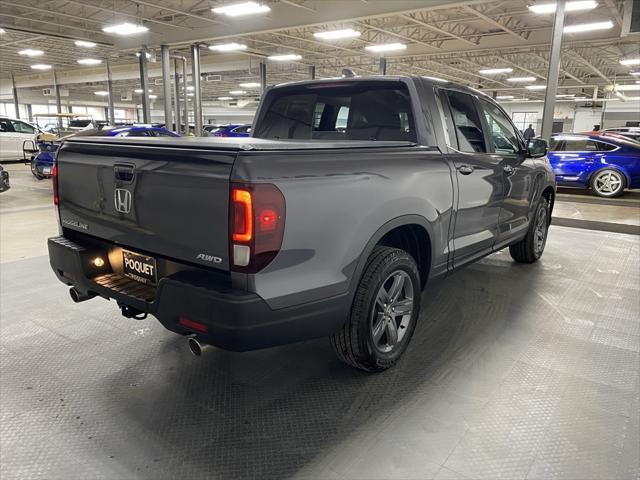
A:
x: 139, y: 267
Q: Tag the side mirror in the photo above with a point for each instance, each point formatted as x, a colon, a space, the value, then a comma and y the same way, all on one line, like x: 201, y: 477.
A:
x: 537, y: 147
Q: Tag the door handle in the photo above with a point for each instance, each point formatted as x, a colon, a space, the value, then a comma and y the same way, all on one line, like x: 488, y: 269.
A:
x: 465, y: 169
x: 509, y: 170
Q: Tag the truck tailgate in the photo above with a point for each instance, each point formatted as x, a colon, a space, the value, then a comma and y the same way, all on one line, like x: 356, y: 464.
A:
x: 156, y: 199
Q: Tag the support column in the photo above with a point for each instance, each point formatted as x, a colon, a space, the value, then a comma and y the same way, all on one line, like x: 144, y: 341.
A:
x: 166, y: 86
x: 111, y: 113
x: 29, y: 112
x: 184, y: 94
x: 263, y: 77
x: 312, y: 72
x: 383, y: 66
x: 176, y: 93
x: 197, y: 99
x: 15, y: 96
x: 144, y: 85
x: 56, y: 89
x: 553, y: 71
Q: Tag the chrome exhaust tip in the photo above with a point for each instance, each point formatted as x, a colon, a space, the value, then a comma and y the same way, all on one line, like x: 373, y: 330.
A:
x: 78, y: 297
x: 197, y: 347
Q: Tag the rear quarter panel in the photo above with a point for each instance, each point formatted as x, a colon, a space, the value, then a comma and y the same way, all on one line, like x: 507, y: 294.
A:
x: 336, y: 202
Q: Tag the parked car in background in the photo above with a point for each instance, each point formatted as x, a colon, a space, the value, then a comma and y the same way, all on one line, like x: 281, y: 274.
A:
x: 42, y: 163
x: 630, y: 132
x: 212, y: 128
x: 4, y: 180
x: 15, y: 135
x: 605, y: 163
x: 233, y: 130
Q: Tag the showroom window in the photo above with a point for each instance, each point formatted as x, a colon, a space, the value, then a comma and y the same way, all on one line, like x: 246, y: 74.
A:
x: 466, y: 121
x: 501, y: 131
x: 523, y: 119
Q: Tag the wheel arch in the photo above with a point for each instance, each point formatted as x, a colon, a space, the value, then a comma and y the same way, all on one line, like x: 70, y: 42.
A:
x: 407, y: 232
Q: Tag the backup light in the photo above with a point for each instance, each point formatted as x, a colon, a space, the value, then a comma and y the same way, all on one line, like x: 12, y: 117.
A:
x: 98, y: 262
x: 84, y: 44
x: 630, y: 61
x: 30, y: 52
x: 240, y: 9
x: 227, y: 47
x: 249, y: 85
x: 89, y: 61
x: 125, y: 28
x: 41, y: 66
x: 588, y: 27
x: 386, y: 47
x: 495, y: 71
x: 521, y: 79
x: 569, y: 7
x: 285, y: 57
x: 337, y: 34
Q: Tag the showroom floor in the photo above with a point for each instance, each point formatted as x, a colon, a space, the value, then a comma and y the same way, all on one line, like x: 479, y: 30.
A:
x: 514, y: 372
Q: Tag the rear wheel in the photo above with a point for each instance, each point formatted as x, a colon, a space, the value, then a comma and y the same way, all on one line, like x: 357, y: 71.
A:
x: 608, y: 183
x: 384, y: 312
x: 531, y: 247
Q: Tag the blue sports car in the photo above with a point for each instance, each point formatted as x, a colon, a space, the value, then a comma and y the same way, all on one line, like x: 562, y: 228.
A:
x: 42, y: 163
x: 606, y: 164
x: 234, y: 130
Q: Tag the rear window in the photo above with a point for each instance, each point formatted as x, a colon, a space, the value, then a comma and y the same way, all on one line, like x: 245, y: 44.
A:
x: 361, y: 111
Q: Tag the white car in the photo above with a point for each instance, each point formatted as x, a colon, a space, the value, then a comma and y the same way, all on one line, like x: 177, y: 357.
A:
x: 13, y: 135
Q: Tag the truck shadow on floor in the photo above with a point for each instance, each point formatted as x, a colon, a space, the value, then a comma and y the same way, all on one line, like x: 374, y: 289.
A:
x: 289, y: 411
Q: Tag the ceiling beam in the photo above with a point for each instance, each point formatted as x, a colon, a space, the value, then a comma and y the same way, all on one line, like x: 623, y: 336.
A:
x: 49, y: 22
x: 399, y: 35
x: 436, y: 29
x: 24, y: 40
x: 562, y: 70
x: 519, y: 67
x: 177, y: 12
x: 294, y: 4
x: 494, y: 22
x: 576, y: 56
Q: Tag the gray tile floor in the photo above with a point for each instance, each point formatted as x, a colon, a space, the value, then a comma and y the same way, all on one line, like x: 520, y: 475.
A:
x: 514, y: 372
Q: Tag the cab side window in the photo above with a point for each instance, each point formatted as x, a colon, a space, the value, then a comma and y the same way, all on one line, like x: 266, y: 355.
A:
x: 22, y: 127
x: 501, y: 131
x: 466, y: 122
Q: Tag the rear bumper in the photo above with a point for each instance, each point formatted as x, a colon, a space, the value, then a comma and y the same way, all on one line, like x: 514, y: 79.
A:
x: 234, y: 319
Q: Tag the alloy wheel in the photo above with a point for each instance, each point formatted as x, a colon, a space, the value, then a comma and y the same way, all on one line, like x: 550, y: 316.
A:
x: 392, y: 311
x: 540, y: 232
x: 608, y: 183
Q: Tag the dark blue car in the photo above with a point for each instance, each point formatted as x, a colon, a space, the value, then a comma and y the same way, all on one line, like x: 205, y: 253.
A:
x: 606, y: 164
x: 233, y: 130
x: 42, y: 163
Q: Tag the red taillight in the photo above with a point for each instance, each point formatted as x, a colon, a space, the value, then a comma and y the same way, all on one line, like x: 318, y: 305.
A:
x: 54, y: 177
x: 193, y: 325
x: 256, y: 221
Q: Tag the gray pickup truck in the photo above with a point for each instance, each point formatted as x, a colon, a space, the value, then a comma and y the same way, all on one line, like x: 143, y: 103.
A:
x: 352, y: 195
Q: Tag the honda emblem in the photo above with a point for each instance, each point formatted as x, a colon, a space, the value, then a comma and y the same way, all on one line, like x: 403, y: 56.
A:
x: 122, y: 200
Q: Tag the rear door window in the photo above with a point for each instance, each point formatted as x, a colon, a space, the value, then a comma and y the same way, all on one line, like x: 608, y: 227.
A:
x: 466, y: 122
x: 357, y: 111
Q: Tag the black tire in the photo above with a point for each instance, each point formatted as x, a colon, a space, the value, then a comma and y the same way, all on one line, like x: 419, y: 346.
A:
x: 609, y: 189
x: 531, y: 247
x: 354, y: 344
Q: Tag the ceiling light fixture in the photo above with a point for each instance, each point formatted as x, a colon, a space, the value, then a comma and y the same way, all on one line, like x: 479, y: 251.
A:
x: 30, y: 52
x: 41, y: 66
x: 139, y: 90
x: 565, y: 95
x: 337, y: 34
x: 89, y: 61
x: 505, y: 97
x: 521, y: 79
x: 285, y: 57
x: 635, y: 74
x: 588, y: 27
x: 627, y: 88
x: 146, y: 54
x: 190, y: 94
x: 84, y: 44
x: 2, y: 31
x: 569, y: 6
x: 190, y: 88
x: 630, y: 61
x: 225, y: 98
x: 535, y: 87
x: 153, y: 97
x: 227, y: 47
x: 101, y: 93
x: 386, y: 47
x: 237, y: 92
x: 125, y: 28
x: 249, y: 85
x: 239, y: 9
x: 495, y: 71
